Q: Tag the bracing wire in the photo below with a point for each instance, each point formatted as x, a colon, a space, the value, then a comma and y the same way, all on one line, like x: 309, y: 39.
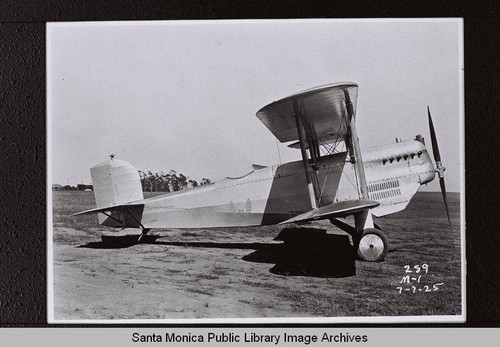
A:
x: 278, y: 149
x: 353, y: 185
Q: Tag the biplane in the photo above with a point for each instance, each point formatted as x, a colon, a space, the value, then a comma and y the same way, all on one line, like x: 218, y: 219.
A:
x: 333, y: 180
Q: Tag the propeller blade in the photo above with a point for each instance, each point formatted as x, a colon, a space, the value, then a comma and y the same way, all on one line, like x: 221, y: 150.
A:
x: 445, y: 200
x: 435, y: 148
x: 439, y: 165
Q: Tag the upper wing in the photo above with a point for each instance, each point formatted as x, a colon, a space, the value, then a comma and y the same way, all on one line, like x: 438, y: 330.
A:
x: 334, y: 210
x: 322, y: 109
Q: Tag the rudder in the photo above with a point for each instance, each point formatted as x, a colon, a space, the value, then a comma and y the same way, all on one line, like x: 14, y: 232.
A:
x: 115, y: 182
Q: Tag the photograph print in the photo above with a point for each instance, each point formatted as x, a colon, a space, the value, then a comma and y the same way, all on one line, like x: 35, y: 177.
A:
x: 256, y: 171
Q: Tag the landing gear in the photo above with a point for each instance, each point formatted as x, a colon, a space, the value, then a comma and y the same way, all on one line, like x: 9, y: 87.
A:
x: 373, y: 245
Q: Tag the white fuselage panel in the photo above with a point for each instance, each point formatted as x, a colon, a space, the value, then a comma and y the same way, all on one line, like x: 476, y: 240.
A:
x: 273, y: 194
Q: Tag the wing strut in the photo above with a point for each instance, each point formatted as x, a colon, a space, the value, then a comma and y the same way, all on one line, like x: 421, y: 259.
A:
x: 356, y: 158
x: 363, y: 220
x: 307, y: 168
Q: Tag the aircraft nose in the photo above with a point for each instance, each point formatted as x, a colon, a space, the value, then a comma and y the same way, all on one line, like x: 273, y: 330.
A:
x: 427, y: 170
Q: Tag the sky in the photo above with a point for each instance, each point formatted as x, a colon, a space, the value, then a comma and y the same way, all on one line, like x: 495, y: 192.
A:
x: 183, y: 95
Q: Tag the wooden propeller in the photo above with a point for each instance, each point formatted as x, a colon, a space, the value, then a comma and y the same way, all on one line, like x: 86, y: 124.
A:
x: 439, y: 165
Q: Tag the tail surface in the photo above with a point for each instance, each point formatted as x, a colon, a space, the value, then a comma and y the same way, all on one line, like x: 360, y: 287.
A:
x: 115, y: 182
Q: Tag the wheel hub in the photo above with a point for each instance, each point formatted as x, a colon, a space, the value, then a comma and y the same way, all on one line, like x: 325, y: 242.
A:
x: 371, y: 246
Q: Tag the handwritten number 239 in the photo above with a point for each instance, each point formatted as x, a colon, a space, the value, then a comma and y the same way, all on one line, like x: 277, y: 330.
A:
x: 417, y: 268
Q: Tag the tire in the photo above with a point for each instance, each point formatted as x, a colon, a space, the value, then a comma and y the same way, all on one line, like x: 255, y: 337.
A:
x: 373, y: 245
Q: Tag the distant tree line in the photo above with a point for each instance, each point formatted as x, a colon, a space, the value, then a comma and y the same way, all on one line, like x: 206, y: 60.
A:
x: 167, y: 182
x: 151, y: 182
x: 66, y: 187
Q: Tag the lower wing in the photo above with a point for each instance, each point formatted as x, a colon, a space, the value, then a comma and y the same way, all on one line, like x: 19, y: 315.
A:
x: 334, y: 210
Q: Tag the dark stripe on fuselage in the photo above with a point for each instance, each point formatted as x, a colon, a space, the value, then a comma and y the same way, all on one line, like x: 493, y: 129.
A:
x: 289, y: 195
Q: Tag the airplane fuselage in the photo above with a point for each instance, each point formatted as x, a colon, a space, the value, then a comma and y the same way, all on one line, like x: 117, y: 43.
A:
x: 274, y: 194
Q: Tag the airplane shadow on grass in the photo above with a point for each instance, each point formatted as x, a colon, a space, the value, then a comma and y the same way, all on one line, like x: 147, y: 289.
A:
x: 308, y: 252
x: 303, y: 251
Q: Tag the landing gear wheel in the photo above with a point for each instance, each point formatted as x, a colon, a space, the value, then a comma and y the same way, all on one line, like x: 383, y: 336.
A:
x: 373, y: 245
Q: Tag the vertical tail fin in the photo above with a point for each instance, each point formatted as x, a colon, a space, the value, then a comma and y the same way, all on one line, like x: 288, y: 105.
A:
x: 115, y: 182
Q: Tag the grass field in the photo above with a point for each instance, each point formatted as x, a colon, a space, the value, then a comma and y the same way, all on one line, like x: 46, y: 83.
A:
x: 261, y: 272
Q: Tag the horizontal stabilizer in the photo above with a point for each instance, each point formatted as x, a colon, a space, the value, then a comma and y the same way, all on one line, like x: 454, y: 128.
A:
x: 108, y: 209
x: 334, y: 210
